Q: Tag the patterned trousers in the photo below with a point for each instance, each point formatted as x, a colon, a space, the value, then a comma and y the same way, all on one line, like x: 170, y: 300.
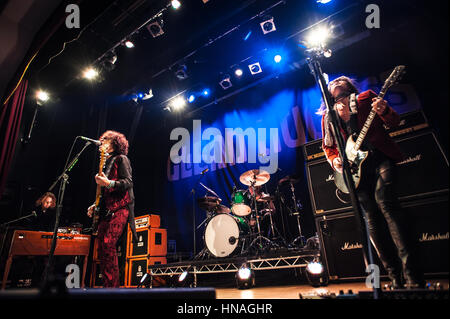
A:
x: 109, y: 231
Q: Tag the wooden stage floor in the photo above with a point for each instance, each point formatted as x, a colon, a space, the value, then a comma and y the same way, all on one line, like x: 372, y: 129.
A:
x: 306, y: 290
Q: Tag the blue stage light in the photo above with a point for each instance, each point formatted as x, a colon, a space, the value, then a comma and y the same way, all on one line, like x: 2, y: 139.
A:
x: 140, y: 95
x: 277, y: 58
x: 205, y: 92
x: 191, y: 98
x: 324, y: 1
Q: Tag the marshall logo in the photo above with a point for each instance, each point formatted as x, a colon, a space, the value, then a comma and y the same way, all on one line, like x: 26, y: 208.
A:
x: 432, y: 237
x: 348, y: 246
x: 139, y: 273
x: 140, y: 243
x: 411, y: 159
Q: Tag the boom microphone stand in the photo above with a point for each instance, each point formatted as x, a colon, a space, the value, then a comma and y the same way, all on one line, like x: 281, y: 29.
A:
x: 65, y: 180
x: 313, y: 61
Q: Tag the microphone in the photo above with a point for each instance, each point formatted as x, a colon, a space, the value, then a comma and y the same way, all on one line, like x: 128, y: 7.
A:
x: 96, y: 142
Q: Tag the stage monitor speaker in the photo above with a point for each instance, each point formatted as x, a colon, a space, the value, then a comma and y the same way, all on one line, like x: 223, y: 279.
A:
x: 428, y: 226
x: 423, y: 173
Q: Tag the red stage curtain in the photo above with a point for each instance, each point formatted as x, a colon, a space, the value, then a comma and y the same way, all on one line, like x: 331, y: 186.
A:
x: 10, y: 119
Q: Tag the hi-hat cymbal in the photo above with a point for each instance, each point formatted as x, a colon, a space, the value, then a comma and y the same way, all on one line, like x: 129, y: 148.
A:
x: 255, y: 177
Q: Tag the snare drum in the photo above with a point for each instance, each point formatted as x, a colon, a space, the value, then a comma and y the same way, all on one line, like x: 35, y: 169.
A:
x: 241, y: 203
x: 222, y: 234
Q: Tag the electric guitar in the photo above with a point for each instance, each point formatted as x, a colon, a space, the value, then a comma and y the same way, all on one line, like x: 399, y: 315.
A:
x: 98, y: 195
x: 355, y: 155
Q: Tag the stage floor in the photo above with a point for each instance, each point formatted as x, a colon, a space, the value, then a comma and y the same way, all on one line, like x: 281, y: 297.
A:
x: 306, y: 290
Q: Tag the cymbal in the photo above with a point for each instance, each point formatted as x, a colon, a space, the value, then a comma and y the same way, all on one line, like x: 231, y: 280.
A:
x: 265, y: 198
x: 290, y: 179
x: 208, y: 202
x: 255, y: 177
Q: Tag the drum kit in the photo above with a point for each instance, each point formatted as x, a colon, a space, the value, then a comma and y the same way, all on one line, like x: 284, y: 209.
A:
x: 239, y: 230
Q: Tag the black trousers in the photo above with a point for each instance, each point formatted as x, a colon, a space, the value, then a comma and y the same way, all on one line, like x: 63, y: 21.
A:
x: 386, y: 221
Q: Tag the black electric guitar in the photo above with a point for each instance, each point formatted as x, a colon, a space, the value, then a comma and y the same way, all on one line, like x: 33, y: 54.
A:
x: 98, y: 195
x: 355, y: 155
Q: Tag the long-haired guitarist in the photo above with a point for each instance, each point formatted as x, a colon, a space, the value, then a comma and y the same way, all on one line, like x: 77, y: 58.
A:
x: 116, y: 207
x: 386, y: 222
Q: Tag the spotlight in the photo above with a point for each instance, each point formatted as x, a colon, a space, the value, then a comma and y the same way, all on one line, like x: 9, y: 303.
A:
x: 42, y: 97
x: 268, y: 26
x: 140, y: 95
x: 175, y: 4
x: 226, y: 82
x: 245, y: 277
x: 180, y: 71
x: 315, y: 274
x: 238, y: 72
x: 178, y: 103
x: 156, y: 28
x: 148, y: 95
x: 277, y: 58
x: 129, y: 44
x: 255, y: 68
x: 186, y: 279
x: 191, y: 98
x: 324, y: 1
x: 205, y: 92
x: 318, y: 37
x: 90, y: 73
x: 145, y: 281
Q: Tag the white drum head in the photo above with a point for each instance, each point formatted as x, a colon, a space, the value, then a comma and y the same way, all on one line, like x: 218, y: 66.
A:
x: 241, y: 209
x: 218, y: 232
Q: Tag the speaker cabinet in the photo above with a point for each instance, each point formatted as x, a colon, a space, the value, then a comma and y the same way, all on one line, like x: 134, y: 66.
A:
x: 427, y: 224
x: 423, y: 173
x: 151, y: 242
x: 137, y: 268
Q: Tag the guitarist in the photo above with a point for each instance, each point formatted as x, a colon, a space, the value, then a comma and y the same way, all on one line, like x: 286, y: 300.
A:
x: 116, y: 204
x: 386, y: 223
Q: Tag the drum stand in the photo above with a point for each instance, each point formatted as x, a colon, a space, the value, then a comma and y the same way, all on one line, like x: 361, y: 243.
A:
x: 259, y: 238
x: 296, y: 213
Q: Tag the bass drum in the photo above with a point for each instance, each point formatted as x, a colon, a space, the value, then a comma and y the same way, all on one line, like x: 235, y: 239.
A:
x: 241, y: 203
x: 222, y: 234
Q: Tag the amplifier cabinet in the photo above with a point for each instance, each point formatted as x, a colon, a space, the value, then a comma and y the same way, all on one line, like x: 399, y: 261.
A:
x: 136, y: 268
x: 427, y: 224
x: 423, y: 173
x: 151, y: 242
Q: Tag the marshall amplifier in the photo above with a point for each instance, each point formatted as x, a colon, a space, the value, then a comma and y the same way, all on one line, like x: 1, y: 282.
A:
x: 151, y: 242
x: 428, y: 227
x: 137, y: 268
x: 409, y: 122
x: 423, y: 173
x: 313, y: 150
x: 325, y: 197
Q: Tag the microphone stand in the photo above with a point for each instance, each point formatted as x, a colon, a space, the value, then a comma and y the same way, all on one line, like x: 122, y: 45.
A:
x: 316, y: 70
x: 62, y: 188
x: 193, y: 209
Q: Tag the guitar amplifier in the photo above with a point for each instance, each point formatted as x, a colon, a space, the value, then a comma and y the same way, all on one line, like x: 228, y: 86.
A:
x: 147, y: 221
x: 151, y: 242
x: 313, y: 150
x: 427, y: 224
x: 423, y: 173
x: 409, y: 122
x: 137, y: 267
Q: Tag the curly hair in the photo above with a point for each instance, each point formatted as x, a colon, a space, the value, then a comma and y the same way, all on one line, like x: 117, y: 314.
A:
x: 118, y: 141
x: 43, y: 197
x: 352, y: 85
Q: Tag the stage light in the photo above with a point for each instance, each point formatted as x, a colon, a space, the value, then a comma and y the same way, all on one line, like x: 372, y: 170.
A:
x: 156, y: 28
x: 268, y: 26
x: 255, y: 68
x: 324, y: 1
x: 225, y: 83
x: 191, y: 98
x: 175, y: 4
x: 90, y: 73
x: 178, y: 103
x: 145, y: 281
x: 186, y: 279
x: 238, y: 72
x: 148, y: 95
x: 277, y: 58
x: 140, y: 95
x: 318, y: 37
x: 42, y: 97
x: 247, y: 36
x: 314, y: 268
x: 245, y: 277
x: 180, y: 71
x: 129, y: 44
x: 205, y: 92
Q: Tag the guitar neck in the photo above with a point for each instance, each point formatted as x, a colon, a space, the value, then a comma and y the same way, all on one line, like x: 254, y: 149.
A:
x: 367, y: 123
